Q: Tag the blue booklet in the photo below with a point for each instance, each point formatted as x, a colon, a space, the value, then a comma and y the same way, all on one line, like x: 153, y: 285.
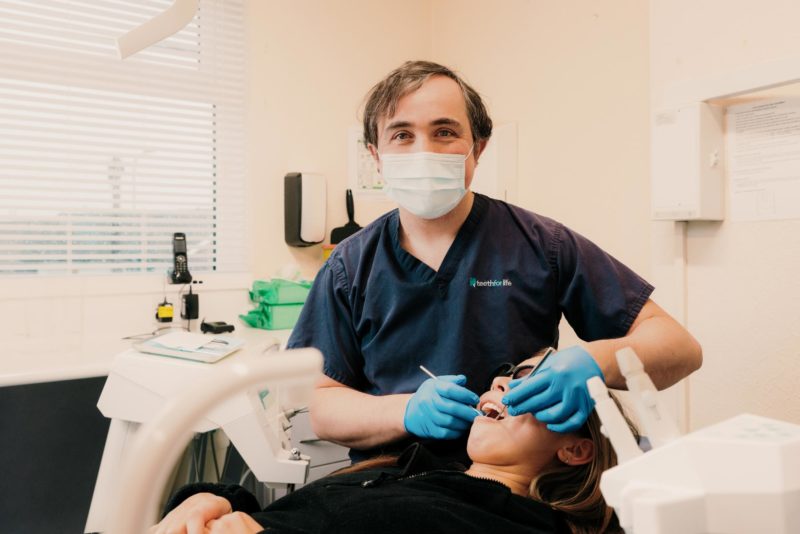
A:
x: 190, y: 346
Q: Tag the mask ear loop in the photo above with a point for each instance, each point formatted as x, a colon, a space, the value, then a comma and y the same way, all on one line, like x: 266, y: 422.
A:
x: 470, y: 152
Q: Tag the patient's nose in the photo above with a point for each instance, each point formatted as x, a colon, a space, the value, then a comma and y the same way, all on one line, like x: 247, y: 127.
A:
x: 500, y: 383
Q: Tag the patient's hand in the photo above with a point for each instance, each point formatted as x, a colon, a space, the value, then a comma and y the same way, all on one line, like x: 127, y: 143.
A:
x: 235, y: 523
x: 191, y: 516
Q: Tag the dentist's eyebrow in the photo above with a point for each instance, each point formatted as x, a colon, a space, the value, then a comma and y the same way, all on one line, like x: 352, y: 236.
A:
x: 446, y: 121
x: 396, y: 125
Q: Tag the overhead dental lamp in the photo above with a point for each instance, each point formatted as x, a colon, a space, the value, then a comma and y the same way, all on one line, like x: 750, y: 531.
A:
x: 167, y: 23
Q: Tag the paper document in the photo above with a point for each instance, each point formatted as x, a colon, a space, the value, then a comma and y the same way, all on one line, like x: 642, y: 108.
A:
x: 183, y: 340
x: 363, y: 175
x: 763, y: 146
x: 190, y: 346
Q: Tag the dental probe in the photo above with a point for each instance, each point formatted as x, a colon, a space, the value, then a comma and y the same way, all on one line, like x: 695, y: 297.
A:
x: 424, y: 370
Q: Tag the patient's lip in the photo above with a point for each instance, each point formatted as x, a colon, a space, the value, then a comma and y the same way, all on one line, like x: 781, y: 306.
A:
x: 491, y: 396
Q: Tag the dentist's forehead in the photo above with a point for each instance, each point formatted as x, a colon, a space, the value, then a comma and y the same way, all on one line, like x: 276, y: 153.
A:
x: 438, y: 95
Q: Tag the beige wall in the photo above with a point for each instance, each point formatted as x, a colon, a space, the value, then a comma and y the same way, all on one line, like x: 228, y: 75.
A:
x: 310, y: 63
x: 742, y: 282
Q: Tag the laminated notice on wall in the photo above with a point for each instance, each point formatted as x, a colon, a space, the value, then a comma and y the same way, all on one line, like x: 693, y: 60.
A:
x: 363, y: 175
x: 763, y: 159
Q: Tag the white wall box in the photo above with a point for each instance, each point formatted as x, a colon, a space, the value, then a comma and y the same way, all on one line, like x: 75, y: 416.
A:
x: 687, y: 163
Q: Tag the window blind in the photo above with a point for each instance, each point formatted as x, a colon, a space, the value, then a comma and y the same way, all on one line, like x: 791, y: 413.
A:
x: 102, y: 160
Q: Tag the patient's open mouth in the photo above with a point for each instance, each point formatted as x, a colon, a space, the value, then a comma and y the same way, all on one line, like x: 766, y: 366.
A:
x: 493, y: 411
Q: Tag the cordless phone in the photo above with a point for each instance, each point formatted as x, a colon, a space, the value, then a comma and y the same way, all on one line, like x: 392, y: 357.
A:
x: 180, y: 270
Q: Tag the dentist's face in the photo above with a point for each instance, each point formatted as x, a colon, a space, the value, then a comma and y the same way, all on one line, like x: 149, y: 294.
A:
x: 431, y: 119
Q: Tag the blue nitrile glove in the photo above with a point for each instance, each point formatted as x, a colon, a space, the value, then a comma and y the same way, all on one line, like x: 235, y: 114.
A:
x: 556, y: 394
x: 441, y: 408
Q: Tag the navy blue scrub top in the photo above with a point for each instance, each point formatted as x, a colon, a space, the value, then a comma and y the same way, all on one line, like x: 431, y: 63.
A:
x: 377, y: 313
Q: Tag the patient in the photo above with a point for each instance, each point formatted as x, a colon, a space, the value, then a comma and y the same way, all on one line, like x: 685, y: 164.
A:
x: 523, y: 478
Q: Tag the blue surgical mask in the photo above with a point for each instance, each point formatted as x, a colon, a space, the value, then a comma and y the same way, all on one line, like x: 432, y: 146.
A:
x: 427, y: 184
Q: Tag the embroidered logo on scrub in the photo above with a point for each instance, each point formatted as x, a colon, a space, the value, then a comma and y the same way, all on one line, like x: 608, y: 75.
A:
x: 474, y: 282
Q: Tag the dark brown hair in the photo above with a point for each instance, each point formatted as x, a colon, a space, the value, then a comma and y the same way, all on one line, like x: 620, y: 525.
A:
x: 381, y: 101
x: 575, y: 490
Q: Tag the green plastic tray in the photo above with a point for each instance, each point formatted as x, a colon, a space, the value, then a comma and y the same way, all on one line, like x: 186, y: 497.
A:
x: 279, y: 291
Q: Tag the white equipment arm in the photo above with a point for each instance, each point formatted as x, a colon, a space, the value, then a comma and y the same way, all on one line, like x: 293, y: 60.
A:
x: 614, y: 426
x: 167, y: 23
x: 657, y: 423
x: 160, y: 442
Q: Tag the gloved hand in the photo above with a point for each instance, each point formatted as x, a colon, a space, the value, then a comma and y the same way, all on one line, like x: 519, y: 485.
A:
x: 557, y: 393
x: 441, y: 408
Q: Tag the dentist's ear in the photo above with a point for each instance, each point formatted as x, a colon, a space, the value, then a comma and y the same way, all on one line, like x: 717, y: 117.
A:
x: 479, y: 147
x: 373, y: 150
x: 578, y: 451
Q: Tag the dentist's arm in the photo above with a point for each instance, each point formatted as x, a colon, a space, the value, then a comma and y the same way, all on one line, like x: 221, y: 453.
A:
x: 441, y: 408
x: 355, y: 419
x: 667, y: 350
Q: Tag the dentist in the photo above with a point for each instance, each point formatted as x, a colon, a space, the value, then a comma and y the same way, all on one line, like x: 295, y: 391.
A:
x: 463, y: 284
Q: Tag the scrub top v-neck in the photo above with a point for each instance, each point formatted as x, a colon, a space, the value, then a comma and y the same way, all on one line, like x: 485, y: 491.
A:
x: 377, y: 313
x: 419, y: 269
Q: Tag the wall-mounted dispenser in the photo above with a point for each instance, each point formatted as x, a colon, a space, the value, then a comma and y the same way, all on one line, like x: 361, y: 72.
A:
x: 305, y: 204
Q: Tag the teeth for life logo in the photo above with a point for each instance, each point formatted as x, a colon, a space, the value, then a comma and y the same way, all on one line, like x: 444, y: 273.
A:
x: 474, y: 282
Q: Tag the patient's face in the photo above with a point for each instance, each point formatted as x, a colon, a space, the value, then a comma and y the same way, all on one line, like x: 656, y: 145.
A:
x: 510, y: 440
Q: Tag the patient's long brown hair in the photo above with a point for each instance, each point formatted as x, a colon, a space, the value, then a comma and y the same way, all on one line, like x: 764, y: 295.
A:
x: 575, y: 490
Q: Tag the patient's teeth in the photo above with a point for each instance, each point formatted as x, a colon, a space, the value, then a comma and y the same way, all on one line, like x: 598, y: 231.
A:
x: 492, y: 410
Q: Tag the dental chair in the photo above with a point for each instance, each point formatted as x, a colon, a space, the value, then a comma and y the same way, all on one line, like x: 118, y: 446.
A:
x: 281, y: 382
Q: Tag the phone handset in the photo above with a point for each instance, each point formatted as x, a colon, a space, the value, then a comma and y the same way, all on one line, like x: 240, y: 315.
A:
x: 180, y: 268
